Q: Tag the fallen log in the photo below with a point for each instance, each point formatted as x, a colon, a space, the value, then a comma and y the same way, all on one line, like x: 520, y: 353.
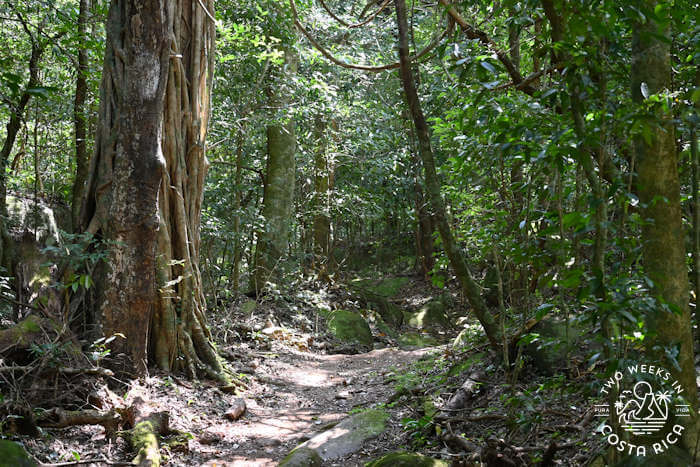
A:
x: 147, y: 427
x: 59, y: 418
x: 63, y: 371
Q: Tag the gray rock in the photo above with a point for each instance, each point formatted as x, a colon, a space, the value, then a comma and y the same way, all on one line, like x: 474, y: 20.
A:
x: 349, y: 435
x: 431, y: 316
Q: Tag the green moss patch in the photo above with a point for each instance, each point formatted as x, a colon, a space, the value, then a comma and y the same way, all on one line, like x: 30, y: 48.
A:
x: 350, y: 327
x: 416, y: 340
x: 387, y: 287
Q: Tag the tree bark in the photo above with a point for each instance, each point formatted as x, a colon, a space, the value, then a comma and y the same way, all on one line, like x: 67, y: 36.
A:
x: 695, y: 185
x: 80, y: 118
x: 128, y: 173
x: 323, y: 177
x: 424, y: 226
x: 457, y: 260
x: 146, y: 183
x: 278, y: 198
x: 658, y: 188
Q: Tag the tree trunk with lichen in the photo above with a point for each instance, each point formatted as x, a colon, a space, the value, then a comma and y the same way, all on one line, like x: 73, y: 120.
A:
x: 278, y: 198
x: 658, y: 188
x: 145, y: 190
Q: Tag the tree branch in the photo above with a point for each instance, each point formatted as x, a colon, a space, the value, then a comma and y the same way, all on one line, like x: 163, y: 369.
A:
x: 356, y: 25
x: 352, y: 66
x: 477, y: 34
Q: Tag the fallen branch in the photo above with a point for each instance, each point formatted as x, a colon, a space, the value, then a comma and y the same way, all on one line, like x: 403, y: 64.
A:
x: 476, y: 418
x: 63, y: 371
x: 459, y: 443
x: 416, y: 392
x: 459, y: 399
x: 59, y: 418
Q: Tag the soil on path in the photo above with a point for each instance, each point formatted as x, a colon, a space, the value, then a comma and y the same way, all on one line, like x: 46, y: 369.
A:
x: 301, y: 394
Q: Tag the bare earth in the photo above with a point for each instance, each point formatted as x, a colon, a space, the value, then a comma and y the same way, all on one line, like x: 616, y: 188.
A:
x: 292, y: 396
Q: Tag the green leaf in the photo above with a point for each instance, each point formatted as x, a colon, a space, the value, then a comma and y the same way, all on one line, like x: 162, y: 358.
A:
x: 542, y: 310
x: 696, y: 96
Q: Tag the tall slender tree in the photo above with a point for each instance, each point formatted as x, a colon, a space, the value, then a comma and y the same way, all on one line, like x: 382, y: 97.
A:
x: 80, y: 116
x: 278, y: 202
x: 658, y: 188
x: 432, y: 183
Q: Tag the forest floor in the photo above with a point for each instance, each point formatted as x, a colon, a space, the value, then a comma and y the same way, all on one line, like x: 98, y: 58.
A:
x: 299, y: 386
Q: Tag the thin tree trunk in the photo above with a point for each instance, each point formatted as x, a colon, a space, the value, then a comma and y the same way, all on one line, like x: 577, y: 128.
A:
x: 80, y: 119
x: 695, y: 184
x: 322, y: 187
x: 455, y: 256
x: 237, y: 254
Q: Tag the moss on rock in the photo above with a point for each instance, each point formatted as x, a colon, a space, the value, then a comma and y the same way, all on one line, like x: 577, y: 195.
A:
x: 12, y: 454
x: 302, y: 457
x: 432, y: 315
x: 416, y: 340
x: 349, y: 435
x: 387, y: 287
x: 350, y: 327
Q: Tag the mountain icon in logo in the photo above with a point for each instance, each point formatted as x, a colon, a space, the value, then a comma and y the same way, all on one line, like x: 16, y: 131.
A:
x: 641, y: 411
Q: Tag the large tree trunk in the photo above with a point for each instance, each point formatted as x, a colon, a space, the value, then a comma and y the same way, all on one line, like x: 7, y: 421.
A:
x: 278, y: 202
x: 432, y: 183
x: 658, y: 188
x: 146, y: 183
x: 80, y: 118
